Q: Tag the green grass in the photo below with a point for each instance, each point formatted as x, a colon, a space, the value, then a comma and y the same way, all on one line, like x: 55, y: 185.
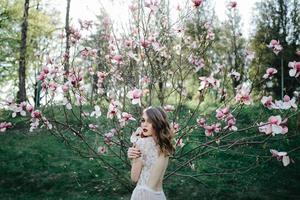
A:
x: 39, y: 166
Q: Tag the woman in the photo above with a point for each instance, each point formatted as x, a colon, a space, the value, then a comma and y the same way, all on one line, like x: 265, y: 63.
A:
x: 150, y: 155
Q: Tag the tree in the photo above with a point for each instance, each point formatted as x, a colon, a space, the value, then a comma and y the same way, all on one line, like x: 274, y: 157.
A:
x: 277, y: 20
x: 21, y: 96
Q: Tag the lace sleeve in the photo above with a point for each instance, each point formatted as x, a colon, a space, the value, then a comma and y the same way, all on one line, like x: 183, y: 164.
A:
x: 148, y: 150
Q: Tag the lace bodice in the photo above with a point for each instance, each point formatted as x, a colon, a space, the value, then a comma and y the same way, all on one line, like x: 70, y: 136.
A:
x: 150, y: 153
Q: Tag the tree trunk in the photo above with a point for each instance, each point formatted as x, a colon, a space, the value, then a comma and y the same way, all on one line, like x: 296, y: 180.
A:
x: 21, y: 95
x: 67, y: 29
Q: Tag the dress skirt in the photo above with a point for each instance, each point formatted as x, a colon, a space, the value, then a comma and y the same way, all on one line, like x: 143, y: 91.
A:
x: 142, y: 192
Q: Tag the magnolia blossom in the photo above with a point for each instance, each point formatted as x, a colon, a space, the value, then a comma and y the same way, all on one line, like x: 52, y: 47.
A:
x: 222, y: 113
x: 274, y: 44
x: 209, y: 130
x: 231, y: 121
x: 145, y: 80
x: 152, y: 5
x: 175, y: 127
x: 286, y: 104
x: 180, y: 142
x: 85, y: 24
x: 117, y: 59
x: 21, y: 108
x: 136, y: 135
x: 269, y: 73
x: 75, y: 35
x: 113, y: 109
x: 108, y: 136
x: 281, y: 156
x: 208, y: 82
x: 197, y: 3
x: 145, y: 43
x: 85, y: 53
x: 135, y: 96
x: 101, y: 150
x: 295, y: 71
x: 197, y: 62
x: 36, y: 116
x: 125, y: 118
x: 243, y: 94
x: 169, y: 108
x: 274, y: 126
x: 101, y: 76
x: 97, y: 112
x: 235, y: 75
x: 201, y: 122
x: 4, y: 126
x: 267, y: 101
x: 93, y: 127
x: 232, y: 4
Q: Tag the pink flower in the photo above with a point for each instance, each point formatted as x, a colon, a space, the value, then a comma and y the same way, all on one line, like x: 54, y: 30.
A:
x: 267, y: 101
x: 136, y: 135
x: 201, y: 122
x: 101, y: 76
x: 295, y: 71
x: 4, y: 126
x: 274, y: 44
x: 169, y: 108
x: 135, y: 96
x: 286, y: 104
x: 36, y: 114
x: 197, y: 3
x: 117, y: 59
x: 85, y: 24
x: 145, y: 43
x: 269, y: 73
x: 232, y: 4
x: 93, y: 127
x: 113, y: 109
x: 243, y: 95
x: 133, y: 7
x: 274, y: 126
x: 175, y: 127
x: 235, y: 74
x: 209, y: 130
x: 231, y: 121
x: 152, y: 4
x: 222, y: 113
x: 197, y: 62
x: 180, y: 142
x: 101, y: 150
x: 281, y: 156
x: 97, y: 112
x: 125, y: 118
x: 207, y: 82
x: 29, y: 108
x: 298, y: 53
x: 145, y: 80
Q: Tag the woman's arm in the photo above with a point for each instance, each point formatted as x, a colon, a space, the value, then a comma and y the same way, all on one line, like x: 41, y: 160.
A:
x: 136, y: 169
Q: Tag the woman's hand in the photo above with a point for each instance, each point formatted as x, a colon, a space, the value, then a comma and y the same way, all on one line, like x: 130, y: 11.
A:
x: 133, y: 153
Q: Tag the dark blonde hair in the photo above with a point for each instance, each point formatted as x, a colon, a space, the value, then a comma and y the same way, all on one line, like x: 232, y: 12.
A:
x: 159, y: 120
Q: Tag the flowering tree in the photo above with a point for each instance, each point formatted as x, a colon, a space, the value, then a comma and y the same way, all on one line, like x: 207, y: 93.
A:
x: 95, y: 106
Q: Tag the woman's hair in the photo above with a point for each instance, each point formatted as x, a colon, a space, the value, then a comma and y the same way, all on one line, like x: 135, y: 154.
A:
x: 164, y: 134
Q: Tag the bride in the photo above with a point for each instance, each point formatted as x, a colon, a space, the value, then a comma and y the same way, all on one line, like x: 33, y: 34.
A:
x: 150, y: 155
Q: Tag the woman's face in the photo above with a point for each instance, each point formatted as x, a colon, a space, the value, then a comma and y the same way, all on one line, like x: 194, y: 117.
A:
x: 147, y: 126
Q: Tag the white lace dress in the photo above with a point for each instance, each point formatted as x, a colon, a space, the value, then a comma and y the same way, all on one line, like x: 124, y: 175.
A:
x: 149, y: 156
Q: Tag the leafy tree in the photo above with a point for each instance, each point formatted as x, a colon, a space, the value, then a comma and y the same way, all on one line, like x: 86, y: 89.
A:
x: 277, y: 20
